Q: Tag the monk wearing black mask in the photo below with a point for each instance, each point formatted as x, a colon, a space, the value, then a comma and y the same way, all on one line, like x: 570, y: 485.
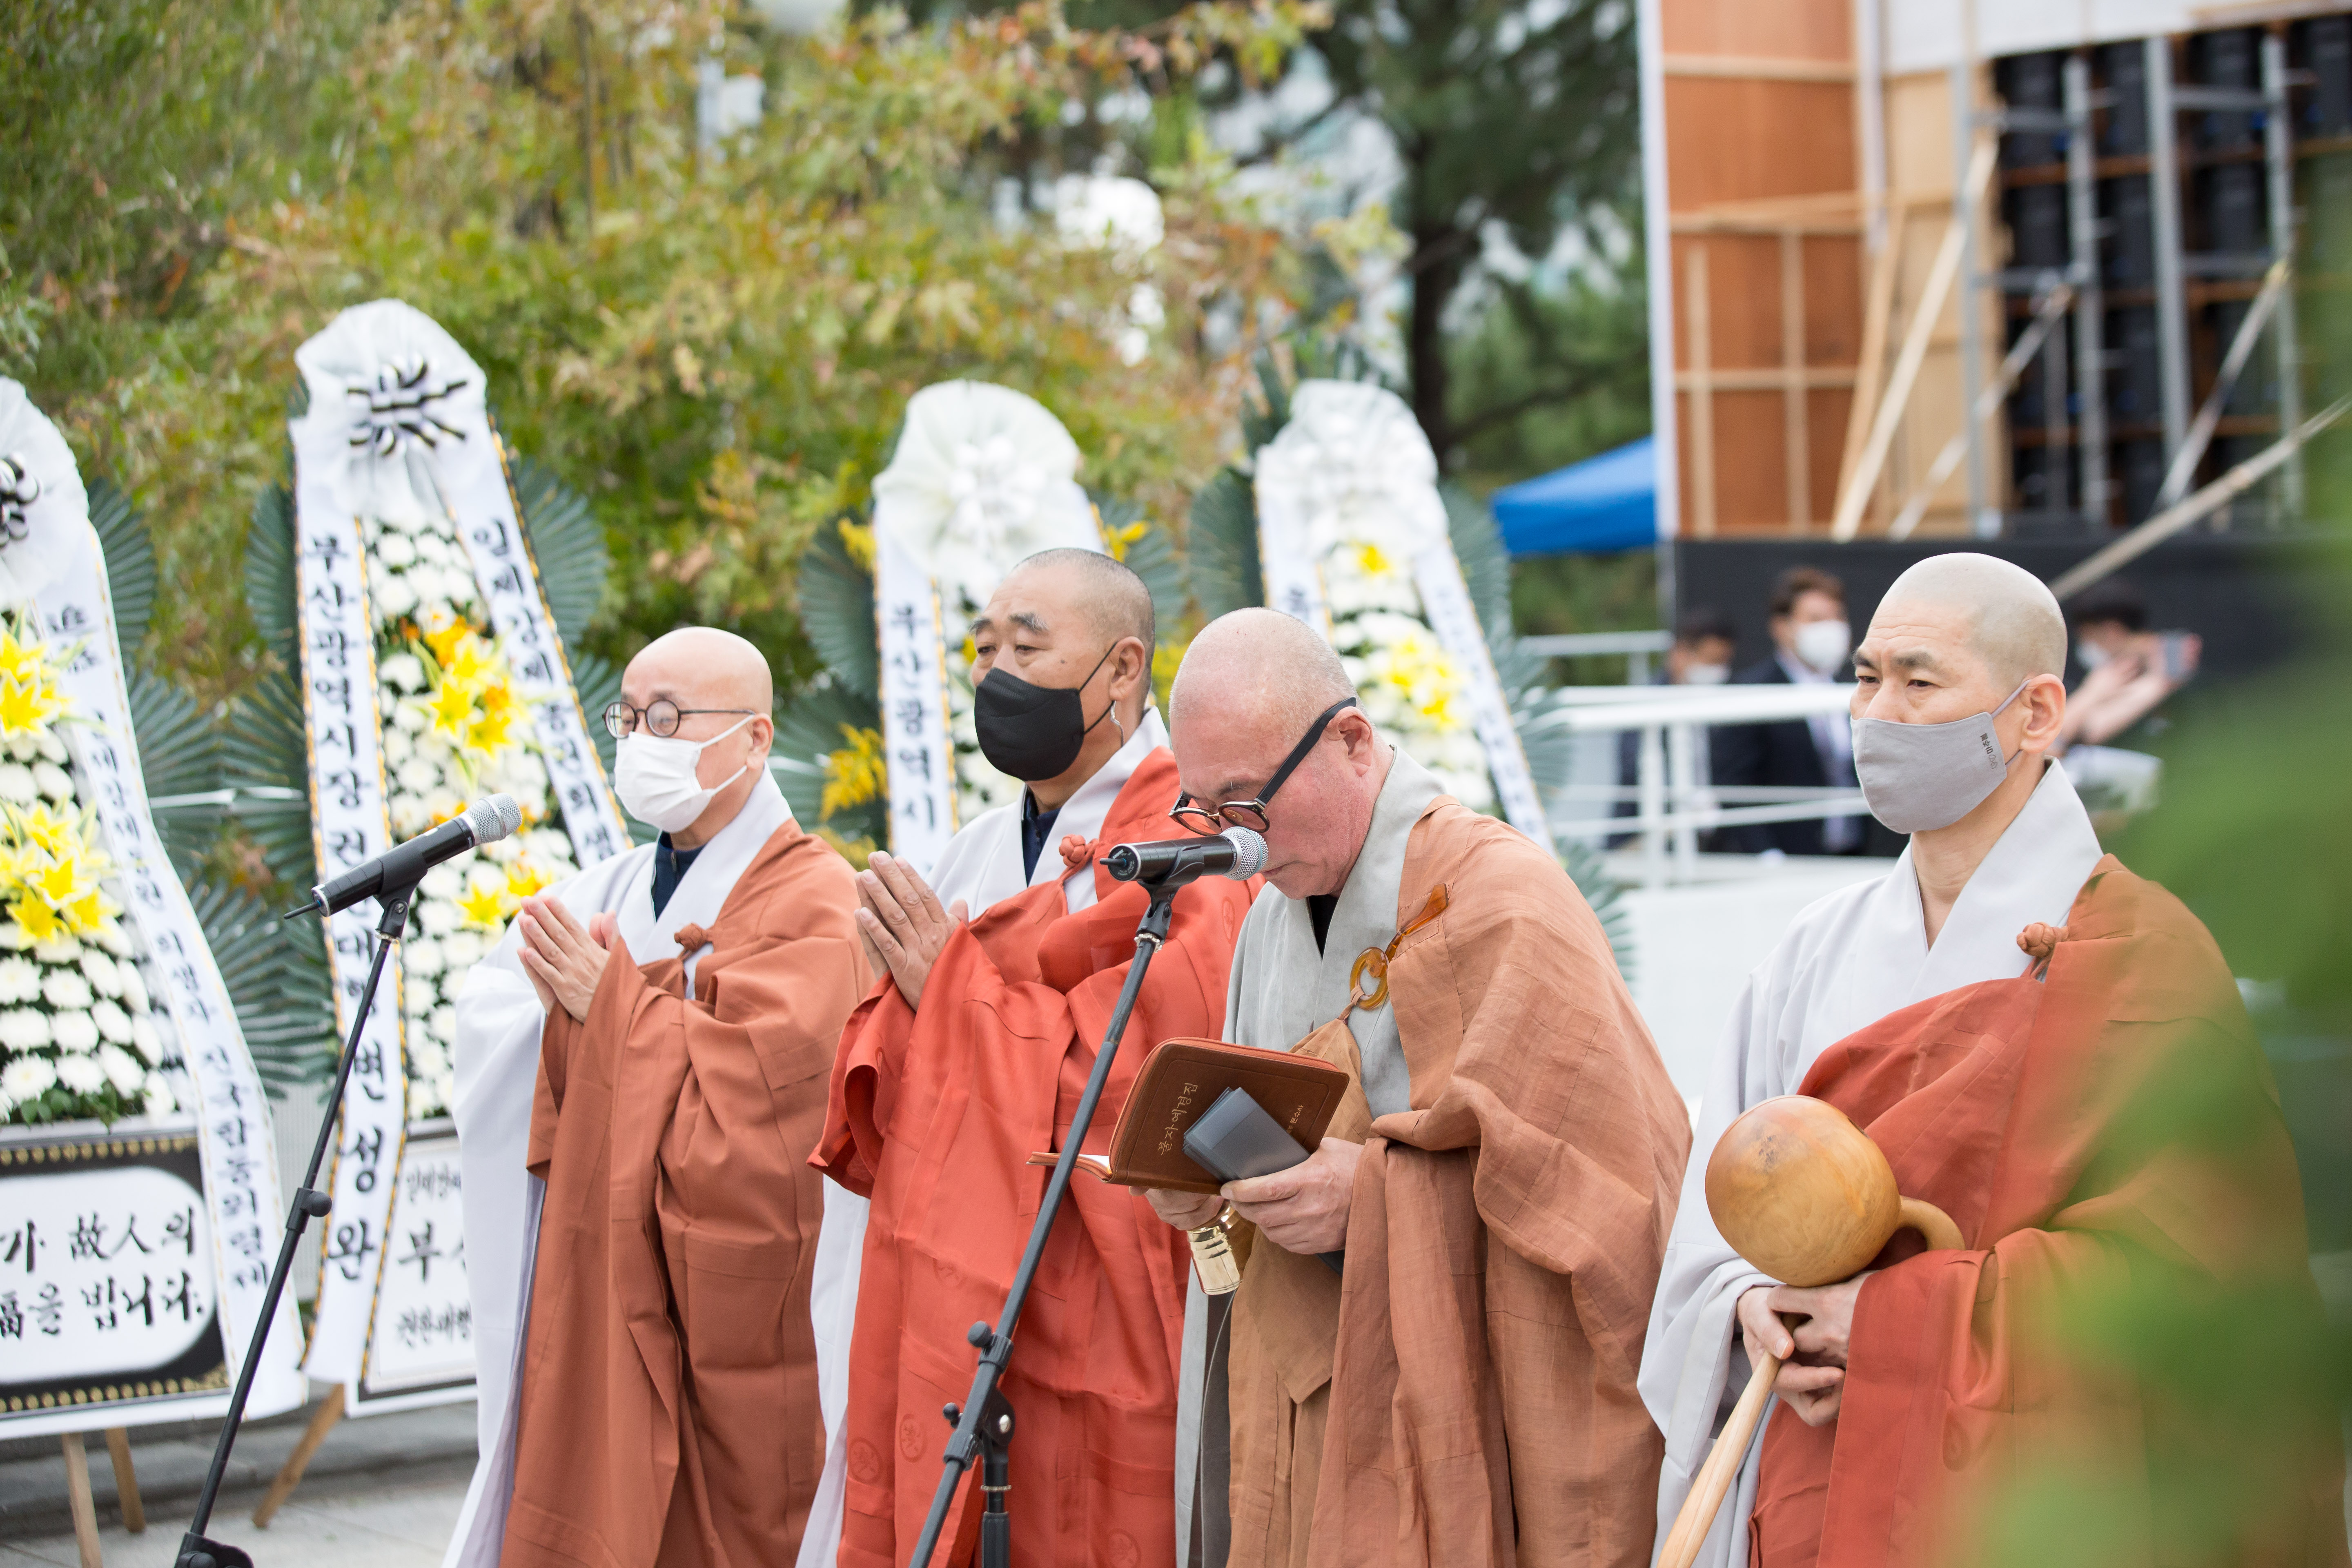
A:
x: 999, y: 973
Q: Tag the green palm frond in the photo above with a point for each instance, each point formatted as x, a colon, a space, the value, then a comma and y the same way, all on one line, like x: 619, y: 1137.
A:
x: 1222, y: 546
x: 837, y: 612
x: 567, y: 543
x: 811, y: 727
x: 270, y: 585
x: 598, y: 681
x: 265, y: 758
x: 180, y: 759
x: 278, y: 982
x: 1151, y: 555
x: 129, y: 563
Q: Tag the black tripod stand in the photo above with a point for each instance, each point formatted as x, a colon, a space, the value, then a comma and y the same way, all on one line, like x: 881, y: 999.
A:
x: 983, y: 1422
x: 195, y: 1550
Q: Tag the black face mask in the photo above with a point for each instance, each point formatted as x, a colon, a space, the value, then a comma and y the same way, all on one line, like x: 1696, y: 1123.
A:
x: 1031, y: 733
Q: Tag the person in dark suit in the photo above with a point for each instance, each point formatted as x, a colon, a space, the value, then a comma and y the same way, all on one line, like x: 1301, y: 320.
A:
x: 1701, y: 656
x: 1811, y: 643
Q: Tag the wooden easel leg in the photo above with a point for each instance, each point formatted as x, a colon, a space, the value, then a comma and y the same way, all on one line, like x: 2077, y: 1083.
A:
x: 126, y: 1480
x: 290, y: 1476
x: 85, y: 1511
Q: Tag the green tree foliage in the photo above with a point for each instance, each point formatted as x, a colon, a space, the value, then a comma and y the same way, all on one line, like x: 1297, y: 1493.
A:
x: 712, y: 342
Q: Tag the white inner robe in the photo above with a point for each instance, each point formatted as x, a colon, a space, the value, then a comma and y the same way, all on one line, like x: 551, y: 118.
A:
x: 498, y: 1052
x: 1846, y: 962
x: 980, y: 865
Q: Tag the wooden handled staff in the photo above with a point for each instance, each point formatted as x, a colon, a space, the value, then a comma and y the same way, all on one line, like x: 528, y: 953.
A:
x: 1800, y: 1193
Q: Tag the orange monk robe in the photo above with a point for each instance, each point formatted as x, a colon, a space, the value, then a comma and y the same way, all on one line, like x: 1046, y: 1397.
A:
x: 933, y: 1115
x: 2031, y: 1110
x: 669, y: 1401
x: 1504, y: 1237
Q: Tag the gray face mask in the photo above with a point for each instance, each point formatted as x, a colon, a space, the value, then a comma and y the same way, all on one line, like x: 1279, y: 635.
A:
x: 1916, y: 778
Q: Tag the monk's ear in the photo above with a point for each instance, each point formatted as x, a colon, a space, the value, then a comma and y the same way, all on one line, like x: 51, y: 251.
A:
x: 2044, y: 702
x: 1130, y: 668
x: 761, y: 733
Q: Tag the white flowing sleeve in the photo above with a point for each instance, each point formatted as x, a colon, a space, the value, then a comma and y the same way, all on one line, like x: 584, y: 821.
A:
x: 1691, y: 1368
x: 833, y: 1315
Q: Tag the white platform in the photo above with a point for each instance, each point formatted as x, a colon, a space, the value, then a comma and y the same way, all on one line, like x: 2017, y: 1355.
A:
x: 1694, y: 945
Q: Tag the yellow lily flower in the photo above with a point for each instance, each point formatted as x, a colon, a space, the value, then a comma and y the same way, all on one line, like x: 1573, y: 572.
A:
x: 483, y: 908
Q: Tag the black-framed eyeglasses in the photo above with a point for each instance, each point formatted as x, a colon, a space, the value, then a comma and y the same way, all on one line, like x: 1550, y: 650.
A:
x: 1211, y: 820
x: 659, y: 716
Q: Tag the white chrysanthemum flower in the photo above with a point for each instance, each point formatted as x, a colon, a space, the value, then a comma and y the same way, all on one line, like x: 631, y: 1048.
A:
x: 14, y: 937
x: 432, y: 548
x: 396, y: 551
x: 417, y: 997
x: 403, y: 672
x: 113, y: 1023
x: 114, y: 937
x: 418, y: 776
x: 16, y: 786
x: 81, y: 1074
x: 397, y: 745
x: 444, y: 804
x: 501, y: 851
x: 481, y: 878
x: 24, y: 1030
x: 413, y: 717
x: 444, y: 1025
x: 443, y: 881
x: 20, y: 980
x: 104, y: 975
x: 421, y: 955
x: 28, y: 1078
x: 410, y: 815
x: 161, y: 1101
x: 57, y: 950
x: 460, y: 951
x: 65, y: 990
x: 126, y: 1072
x: 393, y: 597
x: 76, y: 1031
x: 438, y: 917
x: 52, y: 781
x: 48, y: 744
x: 24, y: 748
x: 134, y: 988
x: 148, y: 1038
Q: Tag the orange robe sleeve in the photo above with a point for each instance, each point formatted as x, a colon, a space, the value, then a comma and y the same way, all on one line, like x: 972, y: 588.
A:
x: 934, y: 1115
x: 2044, y: 1114
x: 669, y: 1406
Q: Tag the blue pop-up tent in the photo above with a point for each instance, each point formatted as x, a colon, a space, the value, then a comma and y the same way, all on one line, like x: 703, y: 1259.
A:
x: 1604, y: 503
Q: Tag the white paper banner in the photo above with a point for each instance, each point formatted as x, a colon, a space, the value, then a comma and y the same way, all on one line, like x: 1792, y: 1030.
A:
x: 397, y: 429
x: 422, y: 1335
x: 982, y: 477
x: 1353, y: 468
x: 59, y: 550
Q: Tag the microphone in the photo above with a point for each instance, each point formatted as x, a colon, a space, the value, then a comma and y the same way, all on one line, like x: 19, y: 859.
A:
x: 1236, y: 853
x: 404, y: 865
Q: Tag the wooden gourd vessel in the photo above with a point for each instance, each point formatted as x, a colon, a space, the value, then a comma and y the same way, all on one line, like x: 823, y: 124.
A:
x: 1802, y: 1193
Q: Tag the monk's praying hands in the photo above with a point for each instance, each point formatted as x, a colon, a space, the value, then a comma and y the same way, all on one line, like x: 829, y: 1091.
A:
x: 564, y: 961
x: 901, y: 925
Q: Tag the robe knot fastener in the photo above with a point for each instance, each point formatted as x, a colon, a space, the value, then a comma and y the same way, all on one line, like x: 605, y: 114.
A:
x: 692, y: 938
x: 2039, y: 940
x: 1077, y: 851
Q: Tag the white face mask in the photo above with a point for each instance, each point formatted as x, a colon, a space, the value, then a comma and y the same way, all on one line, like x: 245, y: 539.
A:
x: 655, y: 778
x: 1706, y: 674
x: 1916, y: 778
x: 1824, y: 645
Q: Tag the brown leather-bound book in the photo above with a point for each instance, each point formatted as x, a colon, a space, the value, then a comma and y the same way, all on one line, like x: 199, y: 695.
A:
x: 1180, y: 1079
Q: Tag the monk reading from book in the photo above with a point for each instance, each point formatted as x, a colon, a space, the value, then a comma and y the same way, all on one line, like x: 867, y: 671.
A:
x: 969, y: 1055
x: 1432, y: 1355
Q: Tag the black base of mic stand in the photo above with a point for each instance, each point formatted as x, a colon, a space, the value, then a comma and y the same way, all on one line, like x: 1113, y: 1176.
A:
x: 983, y: 1422
x: 195, y: 1550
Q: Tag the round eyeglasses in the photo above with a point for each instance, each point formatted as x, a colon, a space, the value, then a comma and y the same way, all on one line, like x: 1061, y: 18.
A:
x: 658, y: 718
x: 1211, y: 820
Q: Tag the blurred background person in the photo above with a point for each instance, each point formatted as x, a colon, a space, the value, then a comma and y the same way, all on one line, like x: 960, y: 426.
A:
x: 2128, y: 670
x: 1812, y: 644
x: 1704, y: 642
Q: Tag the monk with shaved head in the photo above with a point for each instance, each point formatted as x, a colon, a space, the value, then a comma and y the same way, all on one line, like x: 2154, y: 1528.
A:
x: 1997, y: 1012
x: 641, y: 1076
x: 1000, y: 966
x: 1431, y: 1357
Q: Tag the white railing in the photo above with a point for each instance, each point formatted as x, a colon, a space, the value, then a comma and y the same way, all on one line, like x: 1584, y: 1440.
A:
x: 1675, y: 803
x: 1634, y: 648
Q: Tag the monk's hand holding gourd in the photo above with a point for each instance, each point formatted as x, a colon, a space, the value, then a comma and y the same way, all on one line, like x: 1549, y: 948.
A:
x: 1305, y: 1208
x: 900, y: 923
x: 564, y: 961
x: 1185, y: 1211
x: 1809, y: 1331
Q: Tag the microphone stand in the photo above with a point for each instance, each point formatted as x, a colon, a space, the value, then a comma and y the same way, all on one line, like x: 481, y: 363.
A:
x: 983, y: 1422
x: 195, y: 1550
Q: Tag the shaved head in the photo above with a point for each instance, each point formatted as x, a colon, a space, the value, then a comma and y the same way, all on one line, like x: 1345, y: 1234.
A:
x: 1263, y: 666
x: 702, y: 667
x: 1114, y: 599
x: 2012, y: 619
